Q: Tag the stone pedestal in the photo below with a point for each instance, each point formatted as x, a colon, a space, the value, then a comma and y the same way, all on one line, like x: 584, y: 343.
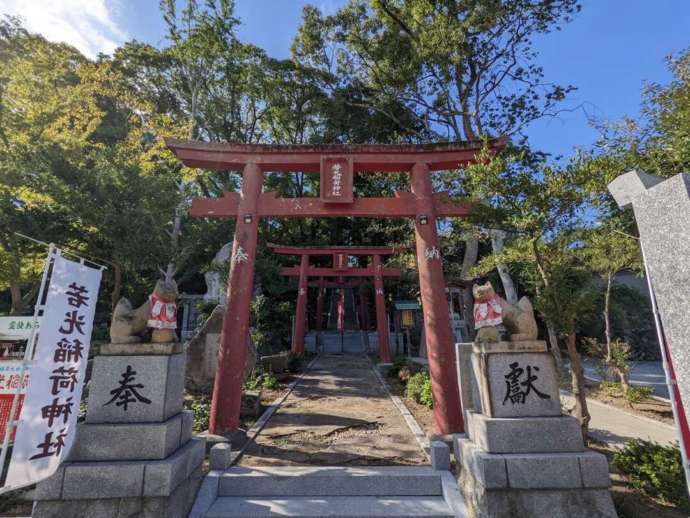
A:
x: 134, y: 455
x: 520, y: 455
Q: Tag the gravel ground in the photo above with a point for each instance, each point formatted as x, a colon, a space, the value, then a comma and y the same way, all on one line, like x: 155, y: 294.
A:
x: 337, y: 415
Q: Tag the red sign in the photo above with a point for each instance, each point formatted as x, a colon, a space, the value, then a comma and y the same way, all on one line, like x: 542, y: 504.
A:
x: 336, y: 179
x: 9, y: 381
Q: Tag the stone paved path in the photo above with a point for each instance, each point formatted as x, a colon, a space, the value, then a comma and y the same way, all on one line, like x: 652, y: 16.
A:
x: 338, y: 414
x: 614, y: 426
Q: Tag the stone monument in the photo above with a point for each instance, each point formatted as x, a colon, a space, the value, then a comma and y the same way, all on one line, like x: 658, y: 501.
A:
x: 215, y: 290
x: 520, y: 455
x: 662, y: 212
x: 134, y: 454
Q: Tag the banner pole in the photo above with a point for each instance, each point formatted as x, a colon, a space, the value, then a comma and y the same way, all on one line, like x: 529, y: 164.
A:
x: 28, y: 354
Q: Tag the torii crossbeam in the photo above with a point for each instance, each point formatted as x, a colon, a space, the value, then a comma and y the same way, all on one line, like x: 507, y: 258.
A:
x: 336, y: 165
x: 340, y: 269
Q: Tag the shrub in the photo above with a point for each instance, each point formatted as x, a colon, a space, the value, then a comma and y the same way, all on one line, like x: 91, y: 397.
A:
x: 638, y: 394
x: 611, y: 387
x: 252, y: 382
x: 655, y: 469
x: 426, y: 398
x: 269, y: 382
x: 202, y: 409
x: 419, y: 389
x: 617, y: 365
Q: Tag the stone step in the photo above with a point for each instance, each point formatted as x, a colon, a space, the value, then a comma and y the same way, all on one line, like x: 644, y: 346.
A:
x: 293, y: 481
x: 337, y: 506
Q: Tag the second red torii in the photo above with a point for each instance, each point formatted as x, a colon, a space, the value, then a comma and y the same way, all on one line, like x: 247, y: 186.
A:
x: 341, y: 270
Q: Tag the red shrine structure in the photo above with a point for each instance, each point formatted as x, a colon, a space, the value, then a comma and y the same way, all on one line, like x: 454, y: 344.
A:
x: 336, y: 165
x: 340, y: 270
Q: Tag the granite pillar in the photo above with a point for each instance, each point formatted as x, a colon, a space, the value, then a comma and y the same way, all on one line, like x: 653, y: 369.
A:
x: 134, y: 454
x: 520, y: 456
x: 662, y: 212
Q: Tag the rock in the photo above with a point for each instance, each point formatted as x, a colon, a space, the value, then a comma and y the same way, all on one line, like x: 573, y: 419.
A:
x: 251, y: 404
x: 275, y: 363
x: 202, y: 353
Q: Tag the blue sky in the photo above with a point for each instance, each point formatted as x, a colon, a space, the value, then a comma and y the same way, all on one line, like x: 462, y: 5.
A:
x: 611, y: 49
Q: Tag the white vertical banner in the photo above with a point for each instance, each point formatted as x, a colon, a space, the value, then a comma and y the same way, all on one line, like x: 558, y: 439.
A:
x: 48, y: 419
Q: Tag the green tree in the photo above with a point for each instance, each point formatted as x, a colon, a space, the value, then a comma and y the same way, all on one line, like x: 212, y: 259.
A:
x: 608, y: 251
x: 543, y: 207
x: 463, y: 68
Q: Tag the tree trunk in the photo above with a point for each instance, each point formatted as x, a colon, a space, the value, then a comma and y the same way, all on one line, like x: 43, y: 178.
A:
x: 468, y: 261
x: 553, y: 338
x: 607, y: 317
x: 555, y: 349
x: 17, y: 299
x: 171, y: 270
x: 623, y: 376
x: 117, y: 285
x: 497, y: 236
x: 580, y: 410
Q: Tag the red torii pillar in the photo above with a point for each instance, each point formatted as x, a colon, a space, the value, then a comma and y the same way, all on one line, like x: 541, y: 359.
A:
x: 363, y: 310
x: 301, y: 311
x: 439, y: 342
x: 381, y: 319
x: 227, y: 385
x: 319, y: 305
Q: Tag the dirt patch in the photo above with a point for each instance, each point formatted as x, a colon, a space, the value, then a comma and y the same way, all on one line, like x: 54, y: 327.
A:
x: 338, y: 414
x: 629, y: 502
x: 422, y: 414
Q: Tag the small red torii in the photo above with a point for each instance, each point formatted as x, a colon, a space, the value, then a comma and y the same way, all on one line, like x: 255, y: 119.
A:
x: 340, y: 270
x: 336, y: 165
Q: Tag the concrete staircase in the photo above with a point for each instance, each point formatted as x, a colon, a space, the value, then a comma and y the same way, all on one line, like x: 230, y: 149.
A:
x: 349, y: 343
x: 312, y: 491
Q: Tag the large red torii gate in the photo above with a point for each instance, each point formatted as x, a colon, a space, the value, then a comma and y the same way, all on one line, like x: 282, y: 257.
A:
x: 336, y: 165
x: 340, y: 269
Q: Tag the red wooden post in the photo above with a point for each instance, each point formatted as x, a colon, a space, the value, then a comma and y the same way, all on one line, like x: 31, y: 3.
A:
x: 364, y: 310
x: 340, y: 309
x: 300, y: 316
x: 381, y: 320
x: 439, y: 344
x: 232, y: 350
x: 319, y: 304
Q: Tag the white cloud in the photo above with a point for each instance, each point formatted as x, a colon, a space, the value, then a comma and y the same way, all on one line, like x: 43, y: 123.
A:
x: 88, y: 25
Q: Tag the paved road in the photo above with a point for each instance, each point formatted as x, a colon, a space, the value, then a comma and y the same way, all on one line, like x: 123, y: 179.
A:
x: 648, y: 374
x: 338, y: 414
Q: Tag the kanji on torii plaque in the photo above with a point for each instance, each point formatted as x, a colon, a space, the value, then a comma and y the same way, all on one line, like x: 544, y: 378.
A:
x: 341, y: 270
x: 251, y: 204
